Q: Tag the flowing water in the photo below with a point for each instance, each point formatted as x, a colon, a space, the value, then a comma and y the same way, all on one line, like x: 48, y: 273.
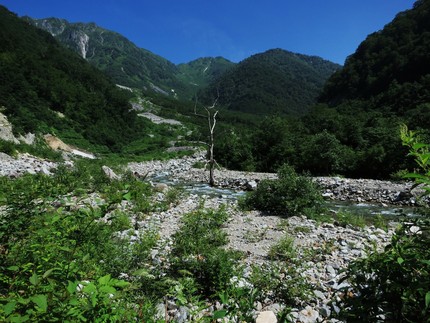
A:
x: 365, y: 209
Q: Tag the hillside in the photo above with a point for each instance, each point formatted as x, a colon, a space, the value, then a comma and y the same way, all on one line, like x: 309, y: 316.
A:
x: 384, y: 84
x: 276, y: 81
x: 391, y: 68
x: 46, y: 88
x: 114, y: 54
x: 202, y: 71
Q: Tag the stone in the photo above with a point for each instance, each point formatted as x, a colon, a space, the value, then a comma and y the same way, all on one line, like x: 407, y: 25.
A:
x: 251, y: 185
x: 110, y: 173
x: 266, y: 317
x: 161, y: 187
x: 308, y: 315
x: 325, y: 311
x: 319, y: 294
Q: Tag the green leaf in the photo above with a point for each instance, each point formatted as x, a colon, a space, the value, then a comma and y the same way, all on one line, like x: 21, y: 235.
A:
x: 41, y: 301
x: 219, y: 314
x: 104, y: 280
x: 427, y: 299
x: 13, y: 268
x: 48, y: 272
x: 127, y: 196
x: 90, y: 288
x: 71, y: 287
x: 34, y: 279
x: 418, y: 146
x: 107, y: 290
x: 400, y: 260
x: 9, y: 307
x: 18, y: 318
x: 120, y: 283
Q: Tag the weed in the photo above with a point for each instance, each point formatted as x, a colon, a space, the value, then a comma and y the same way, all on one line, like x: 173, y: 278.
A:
x: 283, y: 250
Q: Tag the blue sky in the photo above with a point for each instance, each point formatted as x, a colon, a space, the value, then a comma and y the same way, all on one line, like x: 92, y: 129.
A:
x: 183, y: 30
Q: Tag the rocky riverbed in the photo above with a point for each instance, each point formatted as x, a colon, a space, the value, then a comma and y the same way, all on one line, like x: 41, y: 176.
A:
x: 324, y: 250
x: 332, y: 247
x: 335, y: 188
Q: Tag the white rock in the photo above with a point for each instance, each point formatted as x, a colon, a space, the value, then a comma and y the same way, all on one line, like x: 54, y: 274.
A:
x: 266, y: 317
x: 308, y: 315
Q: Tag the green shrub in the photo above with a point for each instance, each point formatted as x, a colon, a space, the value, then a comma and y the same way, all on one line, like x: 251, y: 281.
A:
x: 291, y: 194
x: 283, y: 250
x: 61, y: 261
x: 394, y: 283
x: 198, y: 251
x: 7, y: 147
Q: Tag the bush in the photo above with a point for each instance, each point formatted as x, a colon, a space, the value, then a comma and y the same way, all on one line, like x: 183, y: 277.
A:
x: 394, y: 283
x: 198, y: 251
x: 291, y: 194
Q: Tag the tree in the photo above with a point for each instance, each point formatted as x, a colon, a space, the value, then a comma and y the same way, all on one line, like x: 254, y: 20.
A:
x: 211, y: 114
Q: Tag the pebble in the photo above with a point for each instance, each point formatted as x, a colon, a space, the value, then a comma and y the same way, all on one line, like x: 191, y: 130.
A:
x: 341, y: 245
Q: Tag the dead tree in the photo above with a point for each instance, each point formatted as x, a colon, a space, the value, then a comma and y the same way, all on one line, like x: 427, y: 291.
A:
x: 211, y: 114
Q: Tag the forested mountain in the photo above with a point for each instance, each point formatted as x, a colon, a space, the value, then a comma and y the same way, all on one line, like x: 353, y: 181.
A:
x: 46, y: 87
x: 391, y: 68
x: 202, y: 71
x: 130, y: 65
x: 276, y: 81
x: 354, y: 130
x: 114, y: 54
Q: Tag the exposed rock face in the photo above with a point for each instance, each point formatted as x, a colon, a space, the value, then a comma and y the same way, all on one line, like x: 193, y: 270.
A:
x: 6, y: 130
x: 56, y: 143
x: 82, y: 40
x: 266, y: 317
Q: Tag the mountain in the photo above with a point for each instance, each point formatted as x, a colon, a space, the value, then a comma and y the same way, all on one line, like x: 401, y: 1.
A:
x: 391, y: 68
x: 48, y: 88
x: 276, y: 81
x: 129, y: 65
x: 202, y: 71
x: 384, y: 84
x: 114, y: 54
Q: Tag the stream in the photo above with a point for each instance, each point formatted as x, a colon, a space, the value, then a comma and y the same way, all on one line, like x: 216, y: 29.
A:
x: 363, y: 209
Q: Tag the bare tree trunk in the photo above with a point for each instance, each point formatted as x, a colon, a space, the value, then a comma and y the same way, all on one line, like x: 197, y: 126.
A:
x: 212, y: 123
x: 211, y: 117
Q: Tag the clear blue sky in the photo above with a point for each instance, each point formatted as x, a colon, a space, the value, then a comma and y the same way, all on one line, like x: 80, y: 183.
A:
x: 183, y: 30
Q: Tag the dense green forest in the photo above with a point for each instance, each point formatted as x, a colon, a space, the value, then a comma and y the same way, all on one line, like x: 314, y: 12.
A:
x: 354, y: 129
x: 47, y: 88
x: 276, y: 81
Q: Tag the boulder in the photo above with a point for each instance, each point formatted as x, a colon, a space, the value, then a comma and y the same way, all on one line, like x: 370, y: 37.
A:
x: 266, y: 317
x: 110, y: 173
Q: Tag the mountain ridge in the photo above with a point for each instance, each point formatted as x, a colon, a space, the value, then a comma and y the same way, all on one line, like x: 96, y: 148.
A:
x: 275, y: 81
x: 132, y: 66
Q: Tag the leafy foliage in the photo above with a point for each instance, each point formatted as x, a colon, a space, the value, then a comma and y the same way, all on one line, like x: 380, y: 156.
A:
x: 291, y: 194
x: 198, y: 251
x: 395, y: 283
x: 421, y: 153
x: 60, y: 260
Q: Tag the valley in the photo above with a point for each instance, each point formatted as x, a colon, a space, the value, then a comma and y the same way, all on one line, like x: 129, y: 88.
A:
x: 106, y: 213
